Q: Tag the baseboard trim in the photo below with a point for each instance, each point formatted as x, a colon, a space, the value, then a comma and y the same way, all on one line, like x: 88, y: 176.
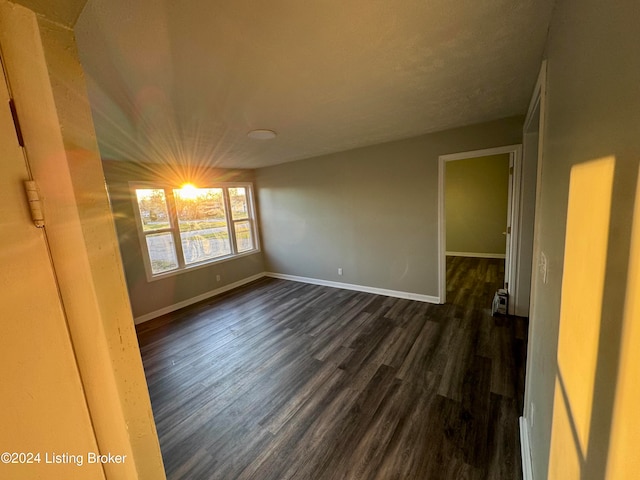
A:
x: 476, y: 255
x: 185, y: 303
x: 525, y: 450
x: 314, y: 281
x: 359, y: 288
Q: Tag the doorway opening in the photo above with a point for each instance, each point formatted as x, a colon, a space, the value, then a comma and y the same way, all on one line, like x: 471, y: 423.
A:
x: 478, y: 220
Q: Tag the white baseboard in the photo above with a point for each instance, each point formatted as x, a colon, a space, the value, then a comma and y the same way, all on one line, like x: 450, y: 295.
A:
x: 525, y: 450
x: 185, y: 303
x: 476, y: 255
x: 358, y: 288
x: 347, y: 286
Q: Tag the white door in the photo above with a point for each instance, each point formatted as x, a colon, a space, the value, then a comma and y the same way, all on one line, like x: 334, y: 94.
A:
x: 42, y: 405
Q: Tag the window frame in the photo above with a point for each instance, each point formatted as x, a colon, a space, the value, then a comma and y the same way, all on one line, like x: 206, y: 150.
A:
x: 174, y: 226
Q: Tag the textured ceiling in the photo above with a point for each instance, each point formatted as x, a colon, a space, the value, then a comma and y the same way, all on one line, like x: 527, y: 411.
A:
x: 186, y: 80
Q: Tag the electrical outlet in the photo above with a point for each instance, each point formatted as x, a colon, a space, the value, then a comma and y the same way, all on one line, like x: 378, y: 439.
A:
x: 217, y: 278
x: 340, y: 271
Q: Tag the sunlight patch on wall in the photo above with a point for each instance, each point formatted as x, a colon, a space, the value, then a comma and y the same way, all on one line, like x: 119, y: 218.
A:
x: 624, y: 453
x: 585, y: 259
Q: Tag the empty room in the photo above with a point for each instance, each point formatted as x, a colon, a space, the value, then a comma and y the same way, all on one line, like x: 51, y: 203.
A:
x: 321, y: 240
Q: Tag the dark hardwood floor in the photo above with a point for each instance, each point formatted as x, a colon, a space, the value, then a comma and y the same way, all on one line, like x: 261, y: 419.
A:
x: 283, y: 380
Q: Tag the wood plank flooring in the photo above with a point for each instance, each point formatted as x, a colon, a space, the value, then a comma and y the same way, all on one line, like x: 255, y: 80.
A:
x: 283, y: 380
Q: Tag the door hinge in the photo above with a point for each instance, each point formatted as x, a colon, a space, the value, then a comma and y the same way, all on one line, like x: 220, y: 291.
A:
x: 16, y: 122
x: 510, y: 170
x: 35, y: 204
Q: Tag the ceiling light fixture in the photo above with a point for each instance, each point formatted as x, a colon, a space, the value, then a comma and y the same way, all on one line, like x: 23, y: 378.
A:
x: 261, y: 134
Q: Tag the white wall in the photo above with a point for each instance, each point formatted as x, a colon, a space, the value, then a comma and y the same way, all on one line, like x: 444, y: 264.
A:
x: 372, y: 211
x: 582, y: 380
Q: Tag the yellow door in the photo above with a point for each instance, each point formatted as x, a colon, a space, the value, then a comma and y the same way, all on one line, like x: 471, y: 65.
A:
x: 45, y: 428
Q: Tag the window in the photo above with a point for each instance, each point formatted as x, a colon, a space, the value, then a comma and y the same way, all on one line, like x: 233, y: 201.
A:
x: 188, y: 227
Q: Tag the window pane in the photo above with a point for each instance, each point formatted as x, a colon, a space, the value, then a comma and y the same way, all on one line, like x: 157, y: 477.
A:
x: 162, y: 252
x: 203, y: 224
x: 244, y: 239
x: 238, y: 200
x: 153, y: 208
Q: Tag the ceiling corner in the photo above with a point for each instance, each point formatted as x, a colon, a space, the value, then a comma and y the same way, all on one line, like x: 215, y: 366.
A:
x: 64, y: 12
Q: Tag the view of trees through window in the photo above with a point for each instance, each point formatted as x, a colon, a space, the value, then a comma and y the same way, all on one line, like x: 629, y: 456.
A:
x: 203, y: 223
x: 211, y: 223
x: 153, y: 209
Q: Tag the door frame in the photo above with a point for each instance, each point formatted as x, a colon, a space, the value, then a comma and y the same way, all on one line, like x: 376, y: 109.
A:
x: 83, y: 249
x: 536, y: 111
x: 537, y: 108
x: 515, y: 157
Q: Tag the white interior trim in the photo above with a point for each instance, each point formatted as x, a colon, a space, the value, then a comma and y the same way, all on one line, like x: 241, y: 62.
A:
x: 525, y: 450
x: 314, y: 281
x: 538, y: 100
x: 476, y: 254
x: 515, y: 212
x: 515, y: 151
x: 185, y: 303
x: 487, y: 152
x: 359, y: 288
x: 536, y: 109
x: 442, y: 232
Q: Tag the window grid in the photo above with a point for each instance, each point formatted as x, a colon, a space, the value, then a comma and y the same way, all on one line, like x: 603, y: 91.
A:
x: 176, y: 234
